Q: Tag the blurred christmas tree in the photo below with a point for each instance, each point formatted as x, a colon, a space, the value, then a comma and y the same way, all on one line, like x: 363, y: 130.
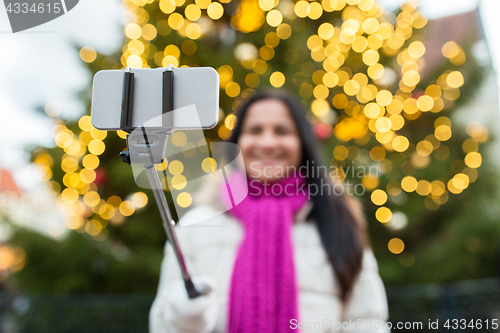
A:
x: 357, y: 68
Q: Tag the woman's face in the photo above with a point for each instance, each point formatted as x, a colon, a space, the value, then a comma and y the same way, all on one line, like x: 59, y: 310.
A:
x: 269, y: 141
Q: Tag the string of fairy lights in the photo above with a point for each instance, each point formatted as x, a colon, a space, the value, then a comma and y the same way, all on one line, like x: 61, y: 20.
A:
x: 369, y: 108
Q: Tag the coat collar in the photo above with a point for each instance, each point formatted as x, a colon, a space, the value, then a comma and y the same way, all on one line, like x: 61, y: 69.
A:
x: 208, y: 196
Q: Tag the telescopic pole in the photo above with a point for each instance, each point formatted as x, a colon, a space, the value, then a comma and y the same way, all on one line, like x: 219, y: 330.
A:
x: 168, y: 225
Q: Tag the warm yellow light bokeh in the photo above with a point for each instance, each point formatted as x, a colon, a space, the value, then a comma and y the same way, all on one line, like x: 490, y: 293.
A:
x: 209, y: 165
x: 383, y: 214
x: 179, y: 182
x: 88, y: 54
x: 215, y: 10
x: 175, y: 167
x: 277, y: 79
x: 139, y: 199
x: 274, y: 18
x: 192, y: 12
x: 184, y: 199
x: 396, y: 245
x: 379, y: 197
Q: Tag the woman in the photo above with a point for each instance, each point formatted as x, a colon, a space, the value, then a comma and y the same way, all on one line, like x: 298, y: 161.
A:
x: 292, y: 258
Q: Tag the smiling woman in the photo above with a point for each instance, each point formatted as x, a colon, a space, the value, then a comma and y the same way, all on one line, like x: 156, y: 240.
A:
x: 286, y: 259
x: 269, y: 140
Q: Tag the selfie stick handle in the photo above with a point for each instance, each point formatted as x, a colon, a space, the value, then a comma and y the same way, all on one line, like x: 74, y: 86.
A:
x: 168, y: 225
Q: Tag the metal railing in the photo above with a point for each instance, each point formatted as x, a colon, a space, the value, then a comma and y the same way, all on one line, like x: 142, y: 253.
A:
x: 81, y: 313
x: 477, y: 300
x: 110, y: 313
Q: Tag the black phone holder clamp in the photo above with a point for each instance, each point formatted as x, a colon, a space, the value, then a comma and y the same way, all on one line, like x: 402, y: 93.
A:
x: 147, y: 146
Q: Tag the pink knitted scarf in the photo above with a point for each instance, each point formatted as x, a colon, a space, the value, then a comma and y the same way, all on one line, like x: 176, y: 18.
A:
x: 263, y: 291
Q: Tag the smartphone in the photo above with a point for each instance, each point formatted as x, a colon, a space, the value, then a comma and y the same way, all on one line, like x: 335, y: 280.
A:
x: 195, y: 98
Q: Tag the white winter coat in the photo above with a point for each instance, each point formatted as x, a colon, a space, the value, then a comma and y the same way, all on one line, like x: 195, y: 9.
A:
x: 211, y: 251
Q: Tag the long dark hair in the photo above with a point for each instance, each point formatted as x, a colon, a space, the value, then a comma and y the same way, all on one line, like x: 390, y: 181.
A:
x: 342, y: 234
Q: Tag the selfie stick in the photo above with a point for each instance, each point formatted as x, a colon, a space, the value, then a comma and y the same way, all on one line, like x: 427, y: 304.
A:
x: 147, y: 147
